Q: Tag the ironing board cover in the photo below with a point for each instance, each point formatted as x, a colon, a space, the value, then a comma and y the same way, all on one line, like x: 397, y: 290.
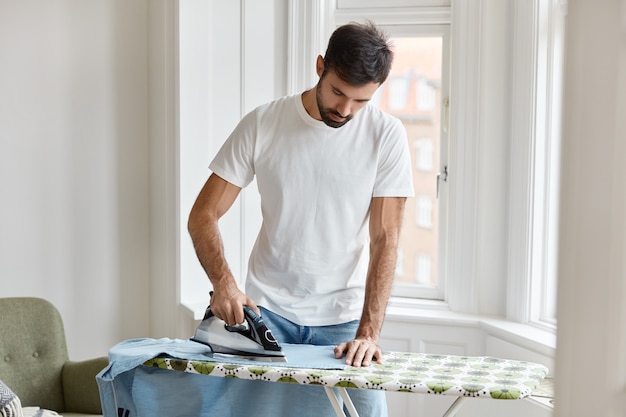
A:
x: 405, y: 372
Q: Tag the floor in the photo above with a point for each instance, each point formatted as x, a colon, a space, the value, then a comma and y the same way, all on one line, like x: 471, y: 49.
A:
x: 545, y: 393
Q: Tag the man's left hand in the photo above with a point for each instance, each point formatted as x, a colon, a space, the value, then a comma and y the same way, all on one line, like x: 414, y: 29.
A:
x: 359, y: 352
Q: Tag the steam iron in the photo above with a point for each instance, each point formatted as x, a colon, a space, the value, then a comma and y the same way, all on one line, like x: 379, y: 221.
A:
x: 250, y: 340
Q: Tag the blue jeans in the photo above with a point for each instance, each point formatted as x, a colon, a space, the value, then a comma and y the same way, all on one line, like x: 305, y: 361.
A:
x: 367, y: 403
x: 286, y: 331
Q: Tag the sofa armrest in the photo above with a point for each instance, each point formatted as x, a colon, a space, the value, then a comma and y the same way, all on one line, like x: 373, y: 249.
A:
x: 80, y: 389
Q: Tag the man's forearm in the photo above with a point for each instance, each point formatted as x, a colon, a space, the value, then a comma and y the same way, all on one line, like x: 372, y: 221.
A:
x: 385, y: 223
x: 216, y: 197
x: 209, y: 247
x: 377, y: 290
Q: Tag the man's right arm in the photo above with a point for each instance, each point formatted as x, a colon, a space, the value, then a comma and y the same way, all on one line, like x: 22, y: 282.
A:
x: 214, y: 200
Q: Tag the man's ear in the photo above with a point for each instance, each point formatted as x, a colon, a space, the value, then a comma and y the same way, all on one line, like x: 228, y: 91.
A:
x: 319, y: 65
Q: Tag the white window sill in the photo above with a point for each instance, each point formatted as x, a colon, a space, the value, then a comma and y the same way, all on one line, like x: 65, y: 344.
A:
x: 194, y: 310
x: 534, y: 338
x: 434, y: 312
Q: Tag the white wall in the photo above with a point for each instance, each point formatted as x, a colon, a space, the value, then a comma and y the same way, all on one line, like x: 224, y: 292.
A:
x: 74, y: 209
x: 591, y: 365
x: 493, y: 148
x: 90, y: 210
x: 232, y: 59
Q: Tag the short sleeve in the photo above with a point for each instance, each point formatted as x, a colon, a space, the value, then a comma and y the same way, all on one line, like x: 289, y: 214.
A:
x: 234, y: 161
x: 394, y: 177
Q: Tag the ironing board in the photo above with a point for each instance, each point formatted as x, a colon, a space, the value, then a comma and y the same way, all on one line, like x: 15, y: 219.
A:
x: 463, y: 377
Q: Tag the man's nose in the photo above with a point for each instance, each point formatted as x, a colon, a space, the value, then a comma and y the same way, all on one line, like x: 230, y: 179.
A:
x: 344, y: 108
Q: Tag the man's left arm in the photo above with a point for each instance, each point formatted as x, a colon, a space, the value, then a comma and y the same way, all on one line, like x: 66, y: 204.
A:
x: 385, y: 222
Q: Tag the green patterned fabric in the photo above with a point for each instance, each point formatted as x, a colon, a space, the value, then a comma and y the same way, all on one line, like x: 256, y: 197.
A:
x: 404, y: 372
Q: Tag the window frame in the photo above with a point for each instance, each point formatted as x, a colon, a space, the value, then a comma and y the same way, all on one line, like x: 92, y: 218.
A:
x: 534, y: 170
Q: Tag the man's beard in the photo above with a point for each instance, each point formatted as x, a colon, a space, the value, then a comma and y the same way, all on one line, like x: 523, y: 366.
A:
x: 325, y: 113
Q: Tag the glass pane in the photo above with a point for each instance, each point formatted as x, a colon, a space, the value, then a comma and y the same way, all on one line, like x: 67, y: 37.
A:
x: 413, y: 94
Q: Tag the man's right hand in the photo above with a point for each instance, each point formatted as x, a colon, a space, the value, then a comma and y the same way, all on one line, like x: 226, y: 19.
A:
x: 215, y: 199
x: 227, y: 304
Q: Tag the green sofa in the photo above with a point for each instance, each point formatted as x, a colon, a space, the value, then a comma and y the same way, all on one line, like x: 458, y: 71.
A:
x: 34, y: 360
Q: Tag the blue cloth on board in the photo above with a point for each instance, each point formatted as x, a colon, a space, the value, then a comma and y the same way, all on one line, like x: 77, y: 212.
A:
x: 129, y: 390
x: 131, y: 353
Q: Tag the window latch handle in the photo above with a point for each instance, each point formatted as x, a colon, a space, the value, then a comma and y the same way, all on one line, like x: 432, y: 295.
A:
x: 442, y: 176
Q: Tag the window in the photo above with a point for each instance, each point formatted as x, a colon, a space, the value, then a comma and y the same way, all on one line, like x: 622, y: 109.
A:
x: 458, y: 210
x: 414, y: 93
x: 426, y: 95
x: 424, y: 155
x: 400, y: 263
x: 397, y: 93
x: 423, y: 269
x: 424, y: 212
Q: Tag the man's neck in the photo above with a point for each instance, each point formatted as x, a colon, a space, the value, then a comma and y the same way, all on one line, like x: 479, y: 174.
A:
x: 310, y: 104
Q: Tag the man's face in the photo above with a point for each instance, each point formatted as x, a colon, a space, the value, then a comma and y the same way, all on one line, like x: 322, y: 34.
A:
x: 338, y: 101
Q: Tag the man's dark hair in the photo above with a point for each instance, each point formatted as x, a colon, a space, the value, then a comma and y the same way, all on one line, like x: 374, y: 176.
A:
x: 359, y: 54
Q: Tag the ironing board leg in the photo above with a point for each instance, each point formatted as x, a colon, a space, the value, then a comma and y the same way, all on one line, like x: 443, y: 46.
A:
x: 334, y: 402
x: 330, y: 392
x: 454, y: 407
x: 347, y: 401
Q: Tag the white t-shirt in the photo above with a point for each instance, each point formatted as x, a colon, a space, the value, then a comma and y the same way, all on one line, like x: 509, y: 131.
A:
x: 310, y: 259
